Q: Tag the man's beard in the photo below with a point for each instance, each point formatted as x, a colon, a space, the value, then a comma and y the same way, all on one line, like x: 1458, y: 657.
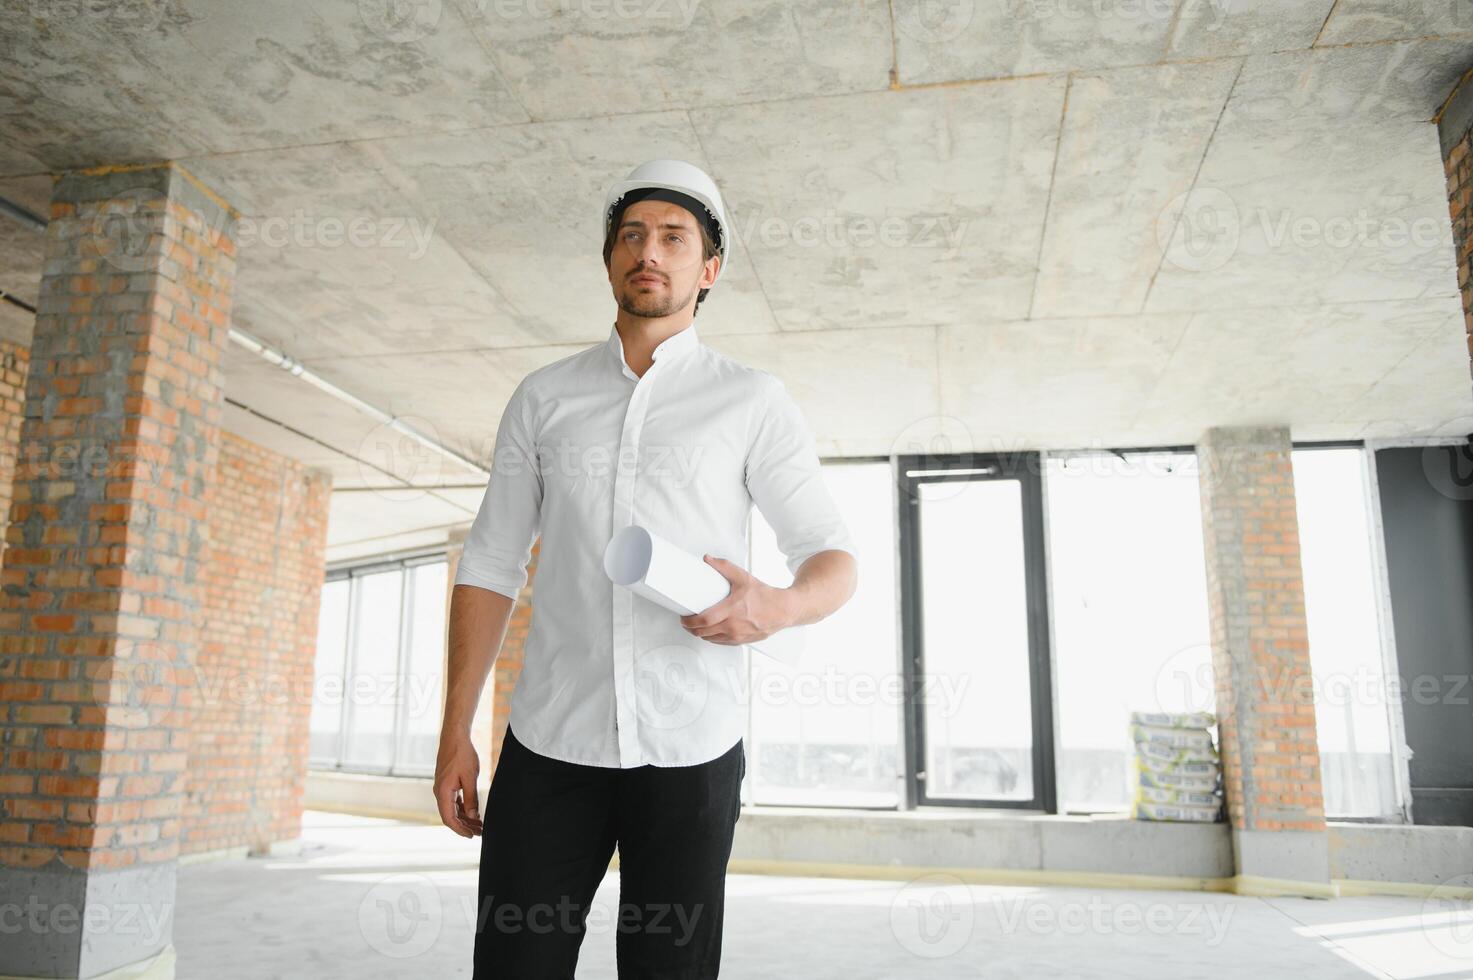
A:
x: 652, y: 306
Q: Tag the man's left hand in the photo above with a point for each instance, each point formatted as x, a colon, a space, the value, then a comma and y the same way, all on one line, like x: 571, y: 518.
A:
x: 752, y: 611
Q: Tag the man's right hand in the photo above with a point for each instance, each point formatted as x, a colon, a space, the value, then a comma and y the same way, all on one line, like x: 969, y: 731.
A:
x: 456, y: 769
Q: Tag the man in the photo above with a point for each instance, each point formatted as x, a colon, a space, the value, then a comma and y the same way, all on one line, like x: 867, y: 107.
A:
x: 627, y: 723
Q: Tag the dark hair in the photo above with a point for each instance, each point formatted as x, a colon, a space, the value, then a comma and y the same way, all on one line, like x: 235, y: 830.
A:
x: 708, y: 252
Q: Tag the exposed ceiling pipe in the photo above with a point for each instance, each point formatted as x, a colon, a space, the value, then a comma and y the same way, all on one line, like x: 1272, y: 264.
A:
x: 16, y: 301
x: 299, y: 370
x: 21, y: 216
x: 26, y: 220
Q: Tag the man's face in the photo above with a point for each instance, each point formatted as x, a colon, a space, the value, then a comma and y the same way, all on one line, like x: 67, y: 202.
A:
x: 655, y: 267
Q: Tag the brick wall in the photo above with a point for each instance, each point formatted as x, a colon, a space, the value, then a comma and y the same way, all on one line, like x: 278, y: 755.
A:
x: 14, y: 362
x: 163, y: 578
x: 1455, y: 131
x: 1260, y: 636
x: 253, y: 680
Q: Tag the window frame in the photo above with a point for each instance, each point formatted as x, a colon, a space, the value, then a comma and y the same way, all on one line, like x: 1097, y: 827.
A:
x: 1023, y: 466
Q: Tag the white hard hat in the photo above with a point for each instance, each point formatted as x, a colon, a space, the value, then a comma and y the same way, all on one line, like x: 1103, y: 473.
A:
x: 676, y: 175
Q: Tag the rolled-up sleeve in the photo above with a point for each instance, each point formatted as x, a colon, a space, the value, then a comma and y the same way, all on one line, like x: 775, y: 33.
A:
x: 785, y: 480
x: 499, y: 544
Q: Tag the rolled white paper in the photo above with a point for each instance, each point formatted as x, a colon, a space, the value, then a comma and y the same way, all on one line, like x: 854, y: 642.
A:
x: 664, y: 573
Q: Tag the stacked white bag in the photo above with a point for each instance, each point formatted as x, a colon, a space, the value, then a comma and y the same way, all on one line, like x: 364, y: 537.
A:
x: 1176, y: 773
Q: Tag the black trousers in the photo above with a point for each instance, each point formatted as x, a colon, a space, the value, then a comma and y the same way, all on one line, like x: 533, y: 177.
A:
x: 549, y: 831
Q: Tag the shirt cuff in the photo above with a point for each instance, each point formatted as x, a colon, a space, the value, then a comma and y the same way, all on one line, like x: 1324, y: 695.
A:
x: 465, y: 574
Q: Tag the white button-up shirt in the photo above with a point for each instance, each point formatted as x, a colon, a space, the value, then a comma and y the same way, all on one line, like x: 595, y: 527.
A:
x: 585, y: 447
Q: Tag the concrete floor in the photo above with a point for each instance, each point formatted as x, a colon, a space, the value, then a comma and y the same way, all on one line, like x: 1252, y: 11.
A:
x: 371, y: 899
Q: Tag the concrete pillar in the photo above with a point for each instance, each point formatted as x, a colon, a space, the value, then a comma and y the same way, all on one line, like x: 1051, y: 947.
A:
x: 1455, y: 130
x: 1260, y: 657
x: 99, y: 609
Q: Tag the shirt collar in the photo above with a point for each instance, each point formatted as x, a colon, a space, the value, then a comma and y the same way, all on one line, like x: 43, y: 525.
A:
x: 669, y: 349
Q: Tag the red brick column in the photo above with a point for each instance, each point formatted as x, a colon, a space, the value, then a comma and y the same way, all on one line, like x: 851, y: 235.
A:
x: 1260, y: 657
x: 14, y: 362
x: 107, y: 535
x: 1455, y: 130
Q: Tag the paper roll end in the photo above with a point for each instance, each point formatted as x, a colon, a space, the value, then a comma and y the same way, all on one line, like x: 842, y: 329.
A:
x: 627, y: 555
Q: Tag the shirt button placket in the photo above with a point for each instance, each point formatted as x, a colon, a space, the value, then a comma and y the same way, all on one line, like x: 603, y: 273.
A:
x: 626, y: 471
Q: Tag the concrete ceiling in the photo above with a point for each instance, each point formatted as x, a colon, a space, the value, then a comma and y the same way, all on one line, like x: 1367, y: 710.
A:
x: 1053, y: 224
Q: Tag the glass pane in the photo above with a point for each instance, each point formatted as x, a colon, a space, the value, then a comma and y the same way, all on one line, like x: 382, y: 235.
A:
x: 424, y: 671
x: 1128, y: 588
x: 373, y: 675
x: 1350, y: 686
x: 975, y: 698
x: 827, y: 733
x: 326, y: 725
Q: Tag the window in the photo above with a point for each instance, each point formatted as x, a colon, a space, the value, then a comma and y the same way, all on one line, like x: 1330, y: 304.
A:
x: 1127, y: 601
x: 1341, y: 602
x: 418, y: 728
x: 828, y: 732
x: 1129, y: 605
x: 332, y: 651
x: 380, y: 668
